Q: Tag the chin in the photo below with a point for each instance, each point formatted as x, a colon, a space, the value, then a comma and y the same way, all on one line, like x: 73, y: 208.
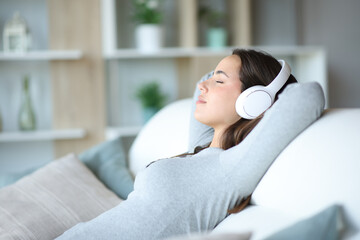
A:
x: 199, y: 118
x: 196, y: 116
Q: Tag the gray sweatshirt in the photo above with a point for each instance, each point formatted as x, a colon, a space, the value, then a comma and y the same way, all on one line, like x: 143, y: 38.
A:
x: 192, y: 194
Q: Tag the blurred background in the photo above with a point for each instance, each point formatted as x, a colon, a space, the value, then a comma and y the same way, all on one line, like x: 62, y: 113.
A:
x: 74, y: 73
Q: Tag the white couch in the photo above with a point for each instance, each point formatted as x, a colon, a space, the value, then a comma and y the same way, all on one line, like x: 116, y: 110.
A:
x: 319, y: 168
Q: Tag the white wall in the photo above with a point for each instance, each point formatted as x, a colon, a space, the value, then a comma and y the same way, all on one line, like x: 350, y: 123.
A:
x: 274, y: 22
x: 332, y: 24
x: 335, y: 24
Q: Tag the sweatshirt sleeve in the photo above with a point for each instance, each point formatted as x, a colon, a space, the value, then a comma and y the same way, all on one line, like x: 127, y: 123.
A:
x: 296, y: 109
x: 200, y: 134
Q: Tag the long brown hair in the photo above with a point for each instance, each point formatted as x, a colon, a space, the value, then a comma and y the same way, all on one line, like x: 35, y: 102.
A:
x: 257, y: 68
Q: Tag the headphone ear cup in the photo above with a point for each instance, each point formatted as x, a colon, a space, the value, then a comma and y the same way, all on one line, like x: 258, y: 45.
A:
x: 257, y: 99
x: 253, y: 102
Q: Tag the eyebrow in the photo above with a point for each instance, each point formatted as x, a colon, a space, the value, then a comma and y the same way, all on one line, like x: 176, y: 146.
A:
x: 222, y: 72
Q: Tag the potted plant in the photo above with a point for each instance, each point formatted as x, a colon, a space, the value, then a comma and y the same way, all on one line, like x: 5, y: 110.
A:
x: 151, y: 98
x: 216, y: 34
x: 148, y: 32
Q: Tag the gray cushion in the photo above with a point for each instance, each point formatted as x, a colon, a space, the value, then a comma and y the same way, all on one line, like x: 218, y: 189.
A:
x: 107, y: 161
x: 51, y: 200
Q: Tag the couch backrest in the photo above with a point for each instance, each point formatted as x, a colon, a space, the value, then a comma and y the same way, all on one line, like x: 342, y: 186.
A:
x: 320, y: 167
x: 165, y: 135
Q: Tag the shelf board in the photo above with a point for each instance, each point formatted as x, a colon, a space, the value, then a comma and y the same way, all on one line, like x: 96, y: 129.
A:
x: 114, y: 132
x: 42, y: 135
x: 166, y: 53
x: 42, y: 55
x: 132, y: 53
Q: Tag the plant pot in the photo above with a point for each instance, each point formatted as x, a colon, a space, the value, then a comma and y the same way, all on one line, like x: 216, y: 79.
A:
x: 148, y: 113
x: 216, y: 37
x: 149, y: 37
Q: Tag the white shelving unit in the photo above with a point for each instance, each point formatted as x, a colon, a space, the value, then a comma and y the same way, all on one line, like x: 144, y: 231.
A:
x: 53, y: 55
x: 113, y: 132
x: 204, y: 51
x: 40, y: 56
x: 43, y: 55
x: 42, y: 135
x: 166, y: 53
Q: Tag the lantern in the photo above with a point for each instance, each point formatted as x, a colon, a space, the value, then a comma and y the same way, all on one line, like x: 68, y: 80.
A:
x: 16, y: 35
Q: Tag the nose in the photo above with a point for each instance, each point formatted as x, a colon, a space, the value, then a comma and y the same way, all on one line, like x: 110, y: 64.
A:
x: 202, y: 86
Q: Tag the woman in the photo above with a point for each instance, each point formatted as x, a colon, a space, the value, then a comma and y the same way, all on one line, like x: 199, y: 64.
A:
x: 194, y: 192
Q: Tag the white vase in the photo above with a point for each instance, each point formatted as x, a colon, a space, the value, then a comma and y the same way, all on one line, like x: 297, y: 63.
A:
x: 149, y: 37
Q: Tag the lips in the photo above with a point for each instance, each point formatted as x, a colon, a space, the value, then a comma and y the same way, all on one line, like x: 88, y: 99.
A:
x: 200, y: 100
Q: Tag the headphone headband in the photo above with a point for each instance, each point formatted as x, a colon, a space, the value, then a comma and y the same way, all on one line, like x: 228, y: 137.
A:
x: 280, y: 79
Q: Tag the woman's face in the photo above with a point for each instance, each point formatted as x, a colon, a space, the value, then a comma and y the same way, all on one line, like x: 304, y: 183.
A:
x: 216, y: 104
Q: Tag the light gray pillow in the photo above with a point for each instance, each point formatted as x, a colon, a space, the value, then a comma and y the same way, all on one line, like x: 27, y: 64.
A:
x: 51, y: 200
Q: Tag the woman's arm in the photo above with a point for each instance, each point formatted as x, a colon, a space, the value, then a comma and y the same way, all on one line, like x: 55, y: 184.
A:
x: 297, y: 108
x: 200, y: 134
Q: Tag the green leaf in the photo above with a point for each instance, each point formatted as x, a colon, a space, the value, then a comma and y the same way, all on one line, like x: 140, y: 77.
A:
x: 150, y: 95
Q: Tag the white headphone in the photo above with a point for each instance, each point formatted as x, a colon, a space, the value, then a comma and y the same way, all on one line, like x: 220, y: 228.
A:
x: 257, y: 99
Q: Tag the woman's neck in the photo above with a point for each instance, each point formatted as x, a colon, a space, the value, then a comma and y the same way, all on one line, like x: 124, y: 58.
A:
x: 216, y: 141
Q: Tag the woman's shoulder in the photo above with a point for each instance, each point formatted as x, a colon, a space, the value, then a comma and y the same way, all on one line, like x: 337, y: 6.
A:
x: 309, y: 88
x: 302, y: 95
